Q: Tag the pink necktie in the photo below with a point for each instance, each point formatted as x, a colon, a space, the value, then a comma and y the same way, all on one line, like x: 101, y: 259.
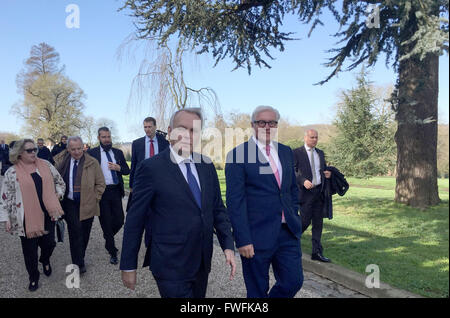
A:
x: 273, y: 165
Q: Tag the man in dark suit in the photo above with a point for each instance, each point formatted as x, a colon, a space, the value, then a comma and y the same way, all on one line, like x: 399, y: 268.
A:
x: 262, y: 201
x: 310, y: 169
x: 4, y: 157
x: 59, y: 147
x: 146, y: 147
x: 179, y: 192
x: 114, y: 165
x: 44, y: 152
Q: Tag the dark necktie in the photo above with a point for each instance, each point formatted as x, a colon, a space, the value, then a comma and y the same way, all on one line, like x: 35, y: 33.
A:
x: 152, y: 148
x: 76, y: 194
x: 193, y: 185
x: 113, y: 172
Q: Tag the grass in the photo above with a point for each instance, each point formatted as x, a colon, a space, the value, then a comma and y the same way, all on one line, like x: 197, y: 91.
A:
x: 410, y: 246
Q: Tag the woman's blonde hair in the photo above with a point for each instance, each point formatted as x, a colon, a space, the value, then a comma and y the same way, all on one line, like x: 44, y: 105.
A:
x: 16, y: 151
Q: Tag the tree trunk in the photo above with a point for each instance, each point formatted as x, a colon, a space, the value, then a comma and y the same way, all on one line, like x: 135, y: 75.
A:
x: 416, y: 139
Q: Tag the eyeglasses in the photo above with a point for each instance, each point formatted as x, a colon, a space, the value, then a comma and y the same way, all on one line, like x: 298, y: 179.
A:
x: 31, y: 150
x: 262, y: 123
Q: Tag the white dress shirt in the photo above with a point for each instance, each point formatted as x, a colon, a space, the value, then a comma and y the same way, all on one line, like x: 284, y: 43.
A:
x: 104, y: 164
x: 147, y: 146
x: 316, y: 163
x: 273, y: 153
x: 181, y: 162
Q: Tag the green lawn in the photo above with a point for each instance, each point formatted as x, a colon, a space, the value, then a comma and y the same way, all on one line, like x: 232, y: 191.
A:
x: 409, y: 246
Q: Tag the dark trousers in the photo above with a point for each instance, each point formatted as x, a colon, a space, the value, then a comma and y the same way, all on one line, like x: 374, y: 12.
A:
x: 111, y: 216
x: 286, y: 260
x: 189, y: 288
x: 311, y: 211
x: 79, y: 231
x: 30, y: 249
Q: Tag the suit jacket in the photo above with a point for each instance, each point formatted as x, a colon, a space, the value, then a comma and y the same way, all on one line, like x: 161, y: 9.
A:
x: 45, y: 154
x: 303, y: 171
x: 181, y: 233
x: 254, y: 200
x: 120, y: 160
x: 4, y: 158
x: 58, y: 148
x: 138, y: 153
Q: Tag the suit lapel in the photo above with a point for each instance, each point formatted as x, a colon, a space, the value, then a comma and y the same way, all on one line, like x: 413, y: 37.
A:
x: 201, y: 171
x: 283, y: 163
x: 306, y: 159
x: 98, y: 154
x: 262, y: 162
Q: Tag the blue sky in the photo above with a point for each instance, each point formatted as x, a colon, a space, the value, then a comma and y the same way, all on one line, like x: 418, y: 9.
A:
x: 90, y: 57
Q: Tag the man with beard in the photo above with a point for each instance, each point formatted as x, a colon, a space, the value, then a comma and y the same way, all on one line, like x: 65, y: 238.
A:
x: 59, y: 147
x: 114, y: 165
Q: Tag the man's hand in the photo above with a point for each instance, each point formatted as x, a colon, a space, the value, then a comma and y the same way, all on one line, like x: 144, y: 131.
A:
x: 327, y: 174
x: 308, y: 184
x: 113, y: 166
x: 247, y: 251
x: 129, y: 279
x: 229, y: 257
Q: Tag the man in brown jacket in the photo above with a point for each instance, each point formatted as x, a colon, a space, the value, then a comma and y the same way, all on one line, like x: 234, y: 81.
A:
x: 85, y: 185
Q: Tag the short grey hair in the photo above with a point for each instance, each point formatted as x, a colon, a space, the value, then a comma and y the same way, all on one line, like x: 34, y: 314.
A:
x: 74, y: 138
x: 261, y: 109
x: 17, y: 149
x: 193, y: 110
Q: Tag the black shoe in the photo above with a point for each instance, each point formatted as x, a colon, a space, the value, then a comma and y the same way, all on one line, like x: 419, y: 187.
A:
x: 83, y: 269
x: 34, y: 285
x: 113, y: 260
x: 320, y: 257
x: 48, y: 271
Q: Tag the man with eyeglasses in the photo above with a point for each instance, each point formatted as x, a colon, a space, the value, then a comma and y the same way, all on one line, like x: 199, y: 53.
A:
x: 262, y: 201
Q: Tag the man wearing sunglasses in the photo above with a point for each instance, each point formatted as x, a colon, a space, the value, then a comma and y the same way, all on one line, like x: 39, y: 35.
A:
x: 262, y: 201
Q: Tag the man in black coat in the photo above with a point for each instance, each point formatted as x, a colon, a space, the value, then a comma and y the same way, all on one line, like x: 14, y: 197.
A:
x: 179, y: 192
x: 311, y: 171
x: 4, y: 157
x: 114, y: 165
x: 59, y: 147
x: 44, y: 152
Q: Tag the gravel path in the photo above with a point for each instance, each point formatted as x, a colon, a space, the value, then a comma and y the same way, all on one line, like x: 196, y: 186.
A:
x: 103, y: 279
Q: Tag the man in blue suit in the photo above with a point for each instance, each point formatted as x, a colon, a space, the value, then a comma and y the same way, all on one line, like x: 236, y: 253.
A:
x: 179, y: 192
x: 262, y: 201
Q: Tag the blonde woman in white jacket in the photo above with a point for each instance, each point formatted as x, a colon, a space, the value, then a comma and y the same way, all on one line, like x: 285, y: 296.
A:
x: 29, y: 206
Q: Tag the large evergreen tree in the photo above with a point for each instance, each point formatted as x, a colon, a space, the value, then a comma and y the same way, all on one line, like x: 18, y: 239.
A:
x: 411, y: 33
x: 364, y: 142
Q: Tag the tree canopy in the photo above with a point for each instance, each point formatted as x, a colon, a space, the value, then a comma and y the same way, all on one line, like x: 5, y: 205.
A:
x: 246, y: 30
